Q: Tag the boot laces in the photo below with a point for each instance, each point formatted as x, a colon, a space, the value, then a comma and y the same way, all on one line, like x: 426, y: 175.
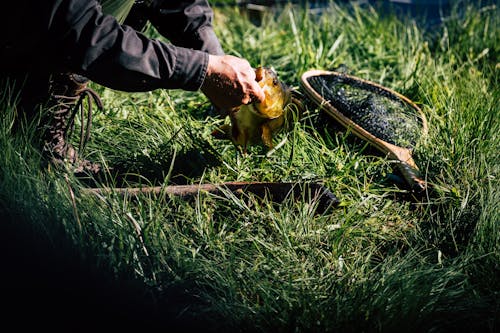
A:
x: 86, y: 122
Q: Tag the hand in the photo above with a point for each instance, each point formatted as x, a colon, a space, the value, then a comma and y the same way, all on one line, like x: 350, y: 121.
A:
x: 230, y: 82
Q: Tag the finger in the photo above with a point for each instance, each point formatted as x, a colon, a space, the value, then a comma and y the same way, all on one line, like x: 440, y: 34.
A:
x: 246, y: 99
x: 257, y: 94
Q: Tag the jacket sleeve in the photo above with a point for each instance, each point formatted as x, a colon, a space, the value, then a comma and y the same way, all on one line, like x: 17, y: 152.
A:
x: 117, y: 56
x: 186, y: 23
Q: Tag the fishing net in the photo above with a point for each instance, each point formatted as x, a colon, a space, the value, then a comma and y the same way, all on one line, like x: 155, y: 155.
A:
x: 382, y: 113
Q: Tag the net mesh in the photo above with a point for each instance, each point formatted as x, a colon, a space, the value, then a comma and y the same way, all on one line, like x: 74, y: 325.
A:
x: 376, y: 110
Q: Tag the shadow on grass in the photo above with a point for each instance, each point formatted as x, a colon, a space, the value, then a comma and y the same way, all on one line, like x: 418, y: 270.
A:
x: 180, y: 167
x: 50, y: 286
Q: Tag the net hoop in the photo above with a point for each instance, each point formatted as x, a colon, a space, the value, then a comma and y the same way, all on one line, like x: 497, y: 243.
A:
x: 400, y: 153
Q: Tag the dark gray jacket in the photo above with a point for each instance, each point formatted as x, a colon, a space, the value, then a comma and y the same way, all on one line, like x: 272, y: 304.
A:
x: 75, y: 36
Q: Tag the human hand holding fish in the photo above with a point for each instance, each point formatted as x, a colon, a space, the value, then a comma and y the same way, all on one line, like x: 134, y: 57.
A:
x: 230, y: 82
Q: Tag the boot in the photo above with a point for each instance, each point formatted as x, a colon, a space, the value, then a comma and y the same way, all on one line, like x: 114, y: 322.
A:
x: 67, y: 93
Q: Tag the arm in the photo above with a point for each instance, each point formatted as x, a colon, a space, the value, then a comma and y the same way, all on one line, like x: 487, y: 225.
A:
x: 117, y: 56
x: 74, y: 36
x: 230, y: 81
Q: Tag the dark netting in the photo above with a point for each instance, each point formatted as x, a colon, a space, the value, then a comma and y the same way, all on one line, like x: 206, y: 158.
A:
x: 376, y: 110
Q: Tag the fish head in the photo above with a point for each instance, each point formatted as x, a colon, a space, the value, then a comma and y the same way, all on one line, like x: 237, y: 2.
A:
x: 277, y: 94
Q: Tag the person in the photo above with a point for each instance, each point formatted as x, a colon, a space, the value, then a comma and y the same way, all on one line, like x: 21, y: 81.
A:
x: 52, y: 48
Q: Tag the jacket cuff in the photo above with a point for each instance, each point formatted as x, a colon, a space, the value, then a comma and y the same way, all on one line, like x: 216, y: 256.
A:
x: 190, y: 68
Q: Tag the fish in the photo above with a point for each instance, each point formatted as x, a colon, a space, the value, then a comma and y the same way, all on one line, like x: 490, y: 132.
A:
x: 255, y: 123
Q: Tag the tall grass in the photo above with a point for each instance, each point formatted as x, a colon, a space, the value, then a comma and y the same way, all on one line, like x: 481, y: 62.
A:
x: 378, y: 262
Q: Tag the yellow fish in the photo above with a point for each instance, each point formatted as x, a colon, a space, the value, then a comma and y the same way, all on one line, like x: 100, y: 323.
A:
x: 256, y: 122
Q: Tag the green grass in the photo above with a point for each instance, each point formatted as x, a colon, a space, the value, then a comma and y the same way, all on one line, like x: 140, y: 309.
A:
x: 378, y: 262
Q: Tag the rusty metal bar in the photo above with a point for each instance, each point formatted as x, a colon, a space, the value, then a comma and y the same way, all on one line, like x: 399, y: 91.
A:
x: 276, y: 192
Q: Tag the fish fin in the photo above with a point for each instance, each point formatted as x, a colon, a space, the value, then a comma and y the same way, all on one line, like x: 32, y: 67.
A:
x: 267, y: 135
x: 259, y: 74
x: 244, y: 140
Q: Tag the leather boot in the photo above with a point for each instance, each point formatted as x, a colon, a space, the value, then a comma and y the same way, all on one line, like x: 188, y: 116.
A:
x: 67, y: 94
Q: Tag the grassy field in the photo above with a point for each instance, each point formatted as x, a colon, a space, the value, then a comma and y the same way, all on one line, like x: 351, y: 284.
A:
x: 380, y: 262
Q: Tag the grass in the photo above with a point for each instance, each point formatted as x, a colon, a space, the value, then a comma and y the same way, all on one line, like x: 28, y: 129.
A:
x: 379, y: 262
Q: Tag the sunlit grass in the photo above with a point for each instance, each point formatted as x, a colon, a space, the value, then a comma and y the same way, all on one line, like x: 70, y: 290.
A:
x: 378, y: 262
